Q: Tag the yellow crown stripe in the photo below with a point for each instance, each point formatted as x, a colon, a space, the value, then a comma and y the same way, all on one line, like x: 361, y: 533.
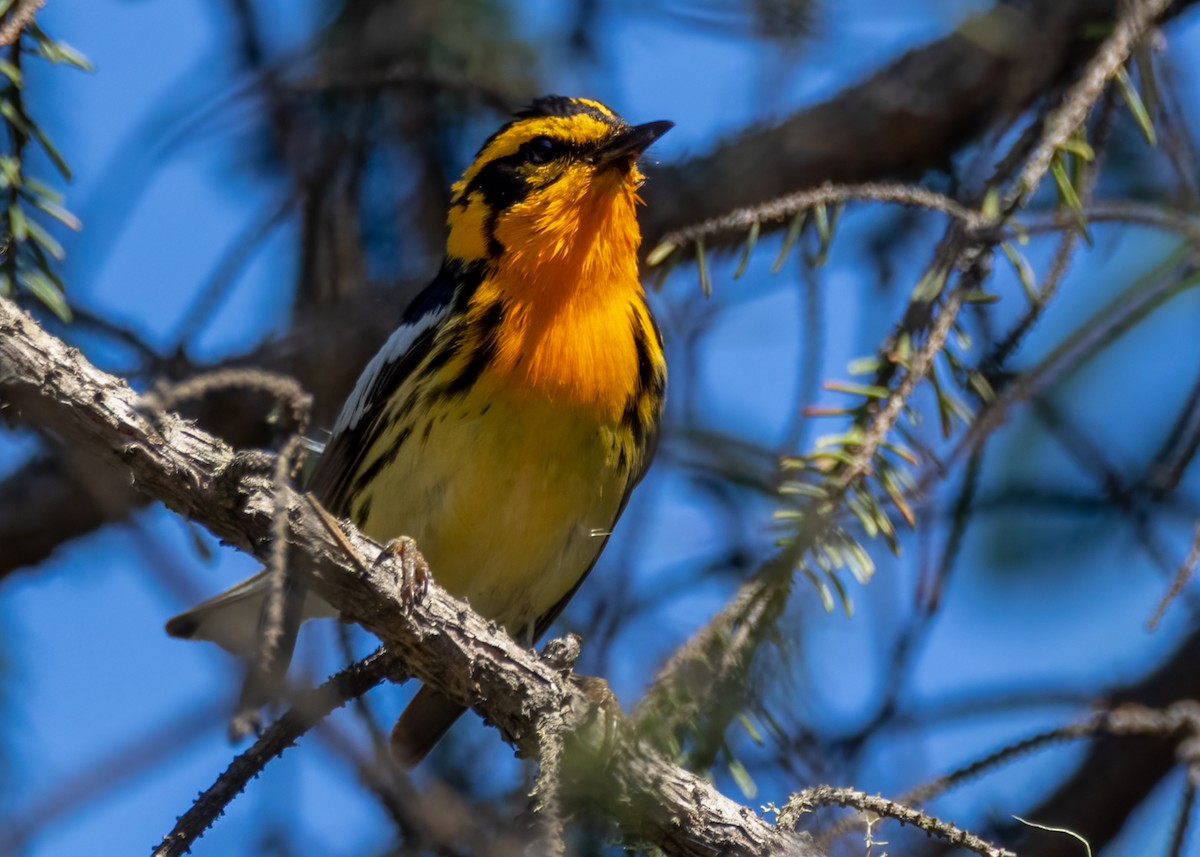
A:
x: 580, y: 130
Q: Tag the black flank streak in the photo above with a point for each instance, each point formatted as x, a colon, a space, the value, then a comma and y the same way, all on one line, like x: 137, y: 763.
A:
x: 332, y: 480
x: 439, y: 358
x: 366, y: 477
x: 405, y: 408
x: 485, y: 351
x: 631, y: 419
x: 649, y: 381
x: 364, y: 509
x: 394, y: 373
x: 650, y: 377
x: 454, y: 285
x: 466, y: 276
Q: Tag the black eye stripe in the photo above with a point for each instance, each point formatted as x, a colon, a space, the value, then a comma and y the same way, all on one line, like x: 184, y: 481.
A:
x: 502, y: 181
x: 543, y: 149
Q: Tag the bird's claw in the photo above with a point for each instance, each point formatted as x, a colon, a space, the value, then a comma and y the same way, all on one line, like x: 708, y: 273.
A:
x: 606, y: 704
x: 414, y: 570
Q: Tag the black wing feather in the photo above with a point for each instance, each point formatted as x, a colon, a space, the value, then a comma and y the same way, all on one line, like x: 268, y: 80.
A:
x: 353, y: 436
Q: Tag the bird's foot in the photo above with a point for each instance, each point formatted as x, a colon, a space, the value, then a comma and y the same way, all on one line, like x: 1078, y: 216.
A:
x: 414, y: 574
x: 608, y: 708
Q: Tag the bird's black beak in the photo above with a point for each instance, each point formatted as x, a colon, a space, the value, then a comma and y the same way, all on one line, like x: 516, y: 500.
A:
x: 630, y: 143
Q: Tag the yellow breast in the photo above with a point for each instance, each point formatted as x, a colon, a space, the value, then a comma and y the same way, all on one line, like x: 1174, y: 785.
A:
x: 510, y: 500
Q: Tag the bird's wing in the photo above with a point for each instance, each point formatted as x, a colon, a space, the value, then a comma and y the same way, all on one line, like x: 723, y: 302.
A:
x: 356, y: 427
x: 361, y: 417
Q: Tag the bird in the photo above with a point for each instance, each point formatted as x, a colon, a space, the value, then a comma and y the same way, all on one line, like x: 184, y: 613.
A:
x: 505, y: 422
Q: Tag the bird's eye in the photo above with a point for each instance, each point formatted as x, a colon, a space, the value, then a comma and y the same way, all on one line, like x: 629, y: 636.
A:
x: 540, y: 149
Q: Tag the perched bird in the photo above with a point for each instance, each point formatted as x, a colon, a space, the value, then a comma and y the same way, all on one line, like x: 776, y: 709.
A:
x: 505, y: 423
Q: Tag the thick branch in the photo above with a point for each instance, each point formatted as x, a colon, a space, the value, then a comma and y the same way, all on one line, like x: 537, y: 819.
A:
x: 926, y: 106
x: 45, y: 383
x: 907, y: 119
x: 51, y: 500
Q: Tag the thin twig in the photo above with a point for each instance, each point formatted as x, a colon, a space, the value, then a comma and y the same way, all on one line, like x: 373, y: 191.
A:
x: 1180, y: 719
x: 1186, y: 569
x: 308, y: 709
x: 547, y: 805
x: 1124, y: 211
x: 742, y: 219
x: 1062, y: 253
x: 1103, y: 328
x: 894, y: 405
x: 806, y: 800
x: 709, y: 670
x: 993, y: 760
x: 1131, y: 26
x: 82, y: 317
x: 280, y: 611
x: 1187, y: 805
x: 283, y: 388
x: 20, y: 18
x: 965, y: 249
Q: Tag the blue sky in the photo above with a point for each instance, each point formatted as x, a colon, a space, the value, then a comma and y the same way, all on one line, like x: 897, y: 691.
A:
x: 90, y: 674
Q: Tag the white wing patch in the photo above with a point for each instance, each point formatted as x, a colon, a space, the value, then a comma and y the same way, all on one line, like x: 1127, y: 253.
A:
x: 394, y: 349
x: 312, y: 446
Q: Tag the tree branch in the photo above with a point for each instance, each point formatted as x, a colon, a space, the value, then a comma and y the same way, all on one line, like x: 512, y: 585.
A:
x: 908, y: 118
x: 44, y: 382
x: 52, y: 500
x: 308, y: 709
x: 19, y: 20
x: 923, y: 112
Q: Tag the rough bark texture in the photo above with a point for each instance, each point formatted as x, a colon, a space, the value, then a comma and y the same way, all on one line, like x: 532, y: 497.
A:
x: 911, y: 116
x: 45, y: 383
x: 50, y: 501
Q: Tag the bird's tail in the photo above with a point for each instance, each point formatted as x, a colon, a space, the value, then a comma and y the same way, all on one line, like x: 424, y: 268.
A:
x: 232, y: 621
x: 231, y: 618
x: 421, y: 725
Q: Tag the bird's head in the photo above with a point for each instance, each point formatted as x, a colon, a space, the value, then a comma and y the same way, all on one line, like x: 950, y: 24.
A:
x: 560, y: 179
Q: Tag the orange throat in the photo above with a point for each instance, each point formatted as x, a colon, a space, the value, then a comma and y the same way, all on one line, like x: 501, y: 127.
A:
x: 574, y: 306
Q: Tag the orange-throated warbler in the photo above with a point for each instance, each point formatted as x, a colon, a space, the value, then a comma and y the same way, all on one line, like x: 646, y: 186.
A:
x: 505, y: 423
